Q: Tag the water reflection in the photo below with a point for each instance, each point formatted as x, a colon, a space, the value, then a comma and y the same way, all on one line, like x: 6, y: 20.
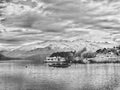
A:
x: 76, y: 77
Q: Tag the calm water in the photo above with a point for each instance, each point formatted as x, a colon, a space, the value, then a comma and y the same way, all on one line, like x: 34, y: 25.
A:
x: 14, y: 76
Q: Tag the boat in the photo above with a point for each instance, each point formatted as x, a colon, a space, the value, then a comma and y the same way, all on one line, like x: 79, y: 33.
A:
x: 59, y: 65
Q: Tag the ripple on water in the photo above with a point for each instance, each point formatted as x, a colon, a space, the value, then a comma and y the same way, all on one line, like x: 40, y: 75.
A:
x: 76, y: 77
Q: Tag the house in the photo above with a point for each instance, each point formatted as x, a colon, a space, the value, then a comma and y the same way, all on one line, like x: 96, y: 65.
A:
x: 55, y: 59
x: 61, y: 57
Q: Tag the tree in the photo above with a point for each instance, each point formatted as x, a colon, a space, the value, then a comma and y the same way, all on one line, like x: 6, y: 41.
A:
x: 89, y: 55
x: 80, y: 52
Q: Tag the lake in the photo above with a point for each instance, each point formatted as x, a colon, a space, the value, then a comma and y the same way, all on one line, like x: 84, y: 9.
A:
x: 17, y: 76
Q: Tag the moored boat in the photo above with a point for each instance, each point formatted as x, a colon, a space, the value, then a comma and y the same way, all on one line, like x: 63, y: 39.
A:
x: 60, y: 65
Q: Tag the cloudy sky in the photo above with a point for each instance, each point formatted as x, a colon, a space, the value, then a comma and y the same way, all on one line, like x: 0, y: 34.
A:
x: 28, y: 21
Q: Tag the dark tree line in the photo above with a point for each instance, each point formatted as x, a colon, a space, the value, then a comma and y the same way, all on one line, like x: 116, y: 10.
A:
x: 69, y: 56
x: 114, y: 50
x: 89, y: 55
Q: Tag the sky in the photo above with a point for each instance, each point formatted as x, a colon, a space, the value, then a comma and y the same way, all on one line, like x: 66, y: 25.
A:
x: 28, y: 21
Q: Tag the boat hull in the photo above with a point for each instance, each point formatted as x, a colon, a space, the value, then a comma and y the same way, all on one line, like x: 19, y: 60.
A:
x: 64, y: 65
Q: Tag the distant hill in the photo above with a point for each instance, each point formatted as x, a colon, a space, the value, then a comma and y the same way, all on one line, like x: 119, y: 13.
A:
x: 2, y: 57
x: 36, y: 56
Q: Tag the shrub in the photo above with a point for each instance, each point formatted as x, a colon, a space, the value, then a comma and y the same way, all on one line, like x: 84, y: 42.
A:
x: 89, y: 55
x: 79, y: 53
x: 118, y: 47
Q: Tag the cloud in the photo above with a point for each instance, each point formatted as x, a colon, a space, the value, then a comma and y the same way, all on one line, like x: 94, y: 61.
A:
x: 53, y: 17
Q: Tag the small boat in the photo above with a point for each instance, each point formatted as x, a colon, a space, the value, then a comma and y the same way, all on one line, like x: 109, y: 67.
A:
x: 59, y: 65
